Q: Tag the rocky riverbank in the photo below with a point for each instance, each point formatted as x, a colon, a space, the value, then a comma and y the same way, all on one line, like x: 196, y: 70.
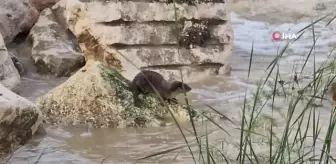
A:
x: 19, y: 118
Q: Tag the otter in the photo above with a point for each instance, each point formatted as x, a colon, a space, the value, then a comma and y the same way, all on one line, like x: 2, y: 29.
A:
x: 144, y: 82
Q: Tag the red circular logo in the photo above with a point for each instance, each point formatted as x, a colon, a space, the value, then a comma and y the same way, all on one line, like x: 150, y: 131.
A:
x: 276, y: 36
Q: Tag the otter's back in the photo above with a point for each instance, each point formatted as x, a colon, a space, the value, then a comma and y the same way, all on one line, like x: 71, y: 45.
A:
x: 144, y: 79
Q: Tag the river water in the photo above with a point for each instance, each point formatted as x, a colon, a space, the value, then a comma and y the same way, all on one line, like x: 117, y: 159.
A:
x: 83, y: 145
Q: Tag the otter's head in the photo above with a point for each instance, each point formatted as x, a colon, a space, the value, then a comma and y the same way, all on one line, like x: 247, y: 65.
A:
x: 177, y: 87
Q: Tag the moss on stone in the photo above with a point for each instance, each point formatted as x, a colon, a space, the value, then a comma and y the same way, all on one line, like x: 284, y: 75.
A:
x: 195, y: 35
x: 16, y: 132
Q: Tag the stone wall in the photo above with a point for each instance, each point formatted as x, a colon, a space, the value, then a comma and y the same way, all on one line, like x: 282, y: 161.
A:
x: 146, y: 34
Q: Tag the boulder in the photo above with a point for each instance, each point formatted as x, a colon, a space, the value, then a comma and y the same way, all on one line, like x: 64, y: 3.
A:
x: 54, y: 47
x: 100, y: 96
x: 146, y: 35
x: 19, y: 120
x: 16, y: 16
x: 9, y: 76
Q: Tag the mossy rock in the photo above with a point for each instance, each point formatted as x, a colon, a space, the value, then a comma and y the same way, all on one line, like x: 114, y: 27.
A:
x: 19, y: 120
x: 101, y: 96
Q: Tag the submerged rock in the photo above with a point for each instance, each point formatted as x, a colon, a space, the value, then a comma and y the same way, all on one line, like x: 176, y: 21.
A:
x: 19, y: 120
x: 100, y: 96
x: 54, y: 50
x: 9, y: 76
x: 16, y: 16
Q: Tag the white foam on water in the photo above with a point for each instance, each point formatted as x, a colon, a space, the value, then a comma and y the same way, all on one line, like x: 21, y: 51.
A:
x: 246, y: 32
x: 207, y: 95
x: 86, y: 134
x: 212, y: 95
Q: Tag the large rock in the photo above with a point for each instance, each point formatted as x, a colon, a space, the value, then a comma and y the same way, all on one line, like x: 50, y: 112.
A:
x: 9, y: 76
x: 54, y: 47
x: 16, y: 16
x: 144, y: 34
x: 101, y: 97
x: 19, y: 120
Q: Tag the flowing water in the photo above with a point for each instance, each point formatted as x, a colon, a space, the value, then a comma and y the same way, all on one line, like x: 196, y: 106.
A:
x: 83, y: 145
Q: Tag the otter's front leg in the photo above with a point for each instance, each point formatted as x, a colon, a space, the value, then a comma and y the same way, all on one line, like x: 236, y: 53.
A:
x: 169, y: 101
x: 172, y: 100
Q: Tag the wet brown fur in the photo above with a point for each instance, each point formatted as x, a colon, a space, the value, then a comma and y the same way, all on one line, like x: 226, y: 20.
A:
x: 144, y: 82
